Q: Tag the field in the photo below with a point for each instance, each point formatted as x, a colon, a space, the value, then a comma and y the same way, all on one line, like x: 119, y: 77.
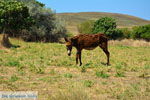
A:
x: 46, y: 68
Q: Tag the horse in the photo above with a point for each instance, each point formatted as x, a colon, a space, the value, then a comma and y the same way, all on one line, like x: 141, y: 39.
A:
x: 88, y: 42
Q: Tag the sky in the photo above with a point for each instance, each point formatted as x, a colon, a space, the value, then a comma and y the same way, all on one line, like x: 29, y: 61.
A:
x: 139, y: 8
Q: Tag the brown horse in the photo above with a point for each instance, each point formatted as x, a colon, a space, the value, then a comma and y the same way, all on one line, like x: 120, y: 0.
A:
x: 88, y: 42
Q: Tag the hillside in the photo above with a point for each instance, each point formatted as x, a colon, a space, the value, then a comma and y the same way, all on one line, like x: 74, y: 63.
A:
x: 73, y: 19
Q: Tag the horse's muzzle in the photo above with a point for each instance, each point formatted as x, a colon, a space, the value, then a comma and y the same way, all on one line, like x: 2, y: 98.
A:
x: 69, y: 54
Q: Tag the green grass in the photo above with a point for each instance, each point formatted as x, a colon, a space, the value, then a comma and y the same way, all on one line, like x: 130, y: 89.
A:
x: 13, y: 78
x: 68, y: 75
x: 46, y: 68
x: 102, y: 74
x: 88, y: 83
x: 119, y: 74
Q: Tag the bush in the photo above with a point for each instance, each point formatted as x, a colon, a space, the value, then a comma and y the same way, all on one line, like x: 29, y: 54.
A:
x: 86, y: 27
x: 126, y: 32
x: 115, y: 34
x: 141, y: 32
x: 105, y: 25
x: 47, y: 27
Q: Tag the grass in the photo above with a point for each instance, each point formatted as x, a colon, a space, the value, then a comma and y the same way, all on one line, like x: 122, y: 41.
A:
x: 102, y: 74
x: 88, y: 83
x: 68, y: 75
x: 13, y: 78
x: 119, y: 74
x: 46, y: 68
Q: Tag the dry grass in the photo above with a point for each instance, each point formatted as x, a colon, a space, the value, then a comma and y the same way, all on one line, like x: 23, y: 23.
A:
x: 46, y: 68
x: 130, y: 42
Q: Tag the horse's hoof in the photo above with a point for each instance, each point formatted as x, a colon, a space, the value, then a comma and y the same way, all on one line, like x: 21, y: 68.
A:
x: 108, y: 64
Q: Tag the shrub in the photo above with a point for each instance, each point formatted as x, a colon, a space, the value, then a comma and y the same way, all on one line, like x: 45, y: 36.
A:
x: 86, y: 27
x: 126, y: 32
x: 47, y: 27
x: 115, y: 34
x: 104, y: 24
x: 141, y: 32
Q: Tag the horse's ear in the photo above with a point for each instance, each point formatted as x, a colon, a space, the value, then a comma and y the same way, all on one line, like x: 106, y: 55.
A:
x: 66, y: 39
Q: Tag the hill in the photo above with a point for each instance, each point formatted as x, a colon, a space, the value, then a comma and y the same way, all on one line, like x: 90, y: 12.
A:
x: 73, y: 19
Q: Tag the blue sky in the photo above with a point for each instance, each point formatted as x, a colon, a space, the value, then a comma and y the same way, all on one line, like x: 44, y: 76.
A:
x: 139, y: 8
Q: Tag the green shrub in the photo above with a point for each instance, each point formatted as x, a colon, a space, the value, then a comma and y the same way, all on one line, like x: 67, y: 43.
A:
x: 141, y: 32
x: 47, y: 27
x: 104, y: 24
x: 115, y: 34
x: 86, y: 27
x: 126, y: 32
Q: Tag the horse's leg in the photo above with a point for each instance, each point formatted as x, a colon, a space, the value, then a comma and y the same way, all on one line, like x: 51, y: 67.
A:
x: 77, y: 56
x: 107, y: 54
x: 104, y: 47
x: 79, y: 52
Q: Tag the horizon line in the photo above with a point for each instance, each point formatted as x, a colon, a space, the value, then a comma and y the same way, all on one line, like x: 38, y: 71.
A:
x: 102, y: 12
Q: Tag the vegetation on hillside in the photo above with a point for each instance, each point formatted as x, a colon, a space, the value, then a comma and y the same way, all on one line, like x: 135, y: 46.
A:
x: 74, y: 19
x: 107, y: 25
x: 122, y: 19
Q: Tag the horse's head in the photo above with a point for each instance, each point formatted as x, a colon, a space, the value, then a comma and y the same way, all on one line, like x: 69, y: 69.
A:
x: 68, y: 46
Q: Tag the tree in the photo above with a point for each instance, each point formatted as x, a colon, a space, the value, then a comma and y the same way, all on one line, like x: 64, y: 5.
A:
x: 13, y: 16
x: 105, y: 25
x: 47, y: 27
x: 86, y: 27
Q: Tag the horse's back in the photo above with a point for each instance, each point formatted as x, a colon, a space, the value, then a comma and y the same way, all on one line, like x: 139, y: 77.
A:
x: 89, y: 41
x: 91, y: 37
